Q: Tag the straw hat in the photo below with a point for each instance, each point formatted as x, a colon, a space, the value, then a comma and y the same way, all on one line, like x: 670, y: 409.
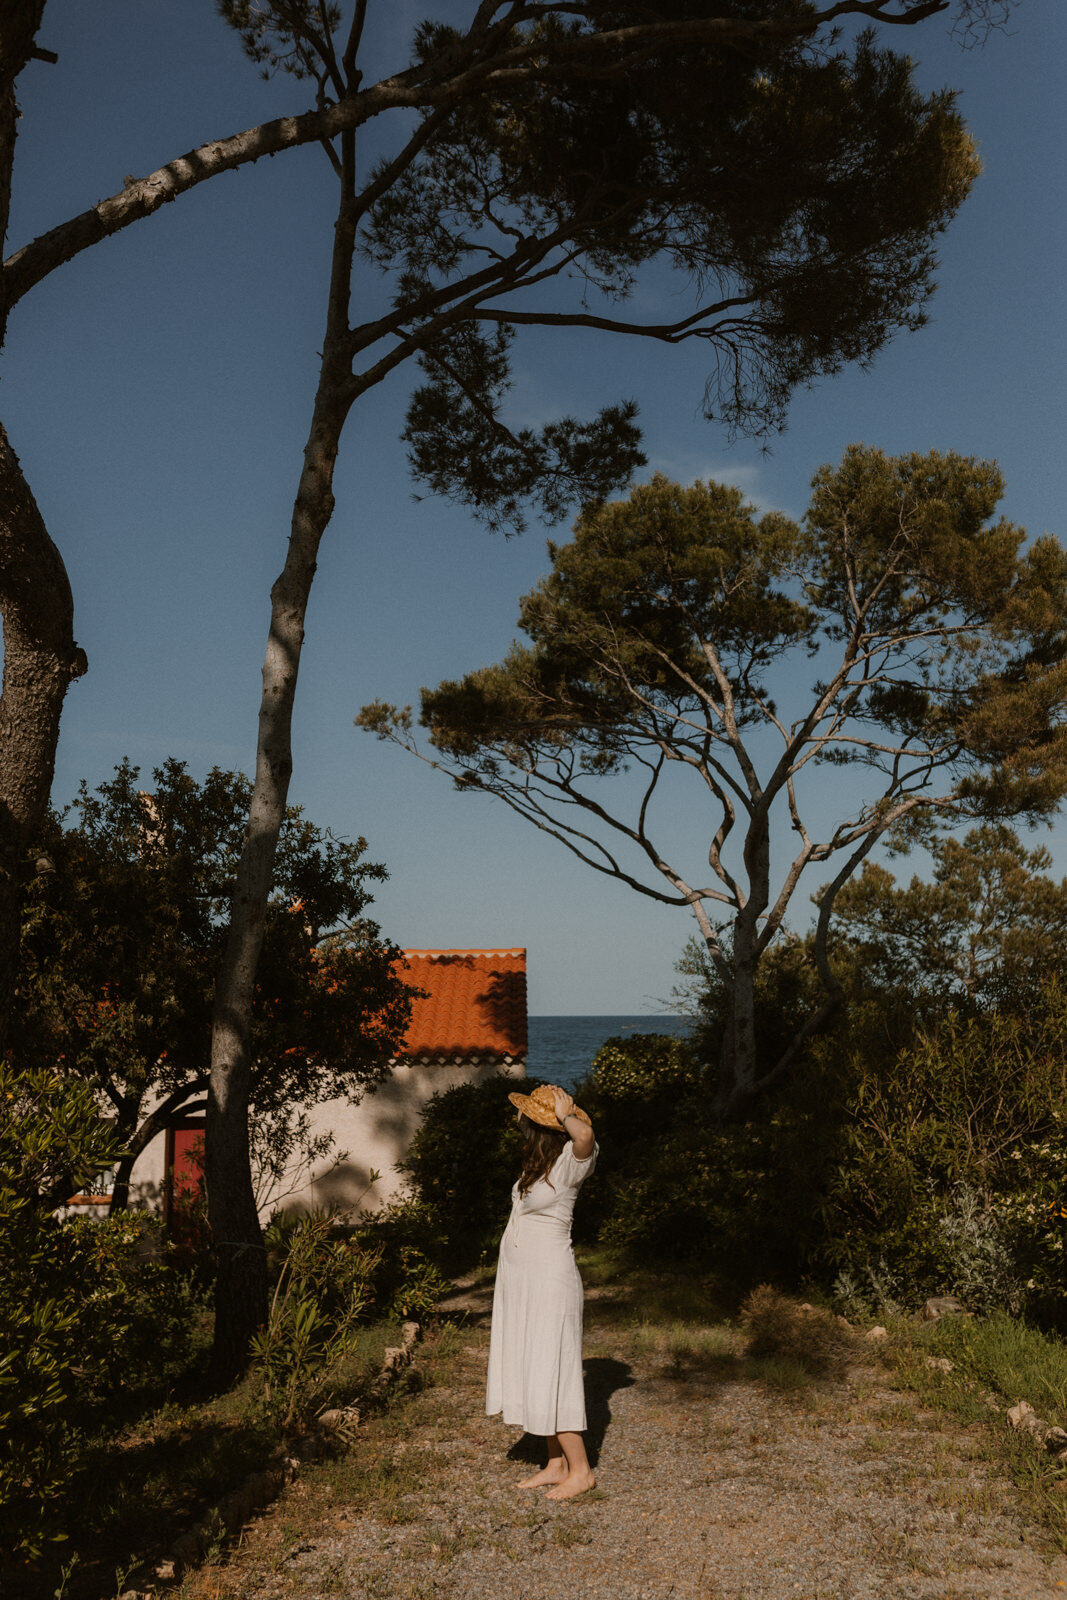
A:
x: 539, y: 1105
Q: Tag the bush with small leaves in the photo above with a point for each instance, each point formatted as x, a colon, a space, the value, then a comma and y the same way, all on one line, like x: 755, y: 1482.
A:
x: 139, y: 1309
x: 52, y: 1141
x: 461, y: 1165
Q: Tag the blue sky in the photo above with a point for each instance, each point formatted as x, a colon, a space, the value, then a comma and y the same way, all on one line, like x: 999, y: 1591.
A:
x: 157, y: 391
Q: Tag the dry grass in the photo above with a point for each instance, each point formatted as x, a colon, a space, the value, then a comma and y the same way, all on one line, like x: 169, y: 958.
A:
x: 781, y: 1330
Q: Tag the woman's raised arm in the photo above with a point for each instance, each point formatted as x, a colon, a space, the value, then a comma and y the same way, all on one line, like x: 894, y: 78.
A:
x: 581, y: 1133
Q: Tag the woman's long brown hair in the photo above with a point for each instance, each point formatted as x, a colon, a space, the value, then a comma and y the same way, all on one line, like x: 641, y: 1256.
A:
x: 543, y: 1145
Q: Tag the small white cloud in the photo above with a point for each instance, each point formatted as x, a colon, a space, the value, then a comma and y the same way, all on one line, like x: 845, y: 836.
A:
x: 687, y: 469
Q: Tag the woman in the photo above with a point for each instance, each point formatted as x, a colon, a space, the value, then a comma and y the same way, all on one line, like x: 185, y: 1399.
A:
x: 535, y: 1345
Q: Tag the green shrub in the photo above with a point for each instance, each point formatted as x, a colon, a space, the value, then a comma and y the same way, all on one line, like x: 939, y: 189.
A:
x: 51, y: 1141
x: 949, y: 1165
x: 1033, y: 1215
x: 678, y: 1184
x: 323, y: 1290
x: 639, y: 1089
x: 462, y: 1164
x: 633, y: 1076
x: 419, y: 1286
x: 138, y: 1311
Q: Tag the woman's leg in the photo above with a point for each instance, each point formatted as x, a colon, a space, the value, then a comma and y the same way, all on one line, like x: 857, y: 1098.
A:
x: 556, y: 1470
x: 579, y: 1475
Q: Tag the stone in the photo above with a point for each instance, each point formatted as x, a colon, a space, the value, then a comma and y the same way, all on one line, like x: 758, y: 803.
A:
x: 1056, y: 1441
x: 1023, y: 1418
x: 943, y: 1305
x: 342, y: 1421
x: 186, y: 1551
x: 166, y: 1572
x: 876, y: 1335
x: 411, y: 1334
x: 236, y: 1509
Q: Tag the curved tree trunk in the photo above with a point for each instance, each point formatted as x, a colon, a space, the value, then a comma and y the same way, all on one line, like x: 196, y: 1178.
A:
x: 241, y: 1283
x: 139, y: 1138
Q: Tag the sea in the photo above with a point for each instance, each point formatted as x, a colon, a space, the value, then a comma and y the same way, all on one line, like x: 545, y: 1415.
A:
x: 562, y: 1048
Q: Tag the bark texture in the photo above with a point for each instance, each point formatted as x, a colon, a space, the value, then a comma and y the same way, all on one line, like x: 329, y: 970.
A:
x: 40, y: 655
x: 40, y: 659
x: 241, y: 1283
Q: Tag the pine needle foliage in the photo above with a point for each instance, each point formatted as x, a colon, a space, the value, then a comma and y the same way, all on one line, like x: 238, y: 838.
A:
x: 909, y: 633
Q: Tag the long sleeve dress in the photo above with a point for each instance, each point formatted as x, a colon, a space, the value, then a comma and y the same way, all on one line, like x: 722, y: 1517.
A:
x: 535, y: 1341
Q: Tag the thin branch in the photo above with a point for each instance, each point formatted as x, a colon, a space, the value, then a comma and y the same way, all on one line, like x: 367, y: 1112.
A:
x: 667, y: 332
x: 352, y: 44
x: 418, y: 88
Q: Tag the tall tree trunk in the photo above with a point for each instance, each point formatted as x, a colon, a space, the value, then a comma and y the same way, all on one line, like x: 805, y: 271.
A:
x: 739, y: 1071
x: 40, y: 660
x: 40, y: 656
x: 241, y: 1283
x: 19, y: 22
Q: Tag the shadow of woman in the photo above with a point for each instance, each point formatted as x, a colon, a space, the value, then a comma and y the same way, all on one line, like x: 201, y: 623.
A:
x: 603, y: 1377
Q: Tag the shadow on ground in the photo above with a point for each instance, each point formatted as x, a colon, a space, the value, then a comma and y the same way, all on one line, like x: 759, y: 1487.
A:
x: 603, y: 1378
x: 131, y: 1502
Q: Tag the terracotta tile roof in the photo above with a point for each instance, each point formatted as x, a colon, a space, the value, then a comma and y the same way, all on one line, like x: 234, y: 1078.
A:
x: 474, y: 1009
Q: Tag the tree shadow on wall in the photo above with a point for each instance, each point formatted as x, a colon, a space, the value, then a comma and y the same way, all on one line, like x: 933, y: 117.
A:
x: 503, y: 1004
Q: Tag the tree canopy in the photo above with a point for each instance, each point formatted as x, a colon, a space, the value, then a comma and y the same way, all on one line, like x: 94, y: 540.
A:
x: 986, y: 928
x: 675, y: 622
x: 125, y: 923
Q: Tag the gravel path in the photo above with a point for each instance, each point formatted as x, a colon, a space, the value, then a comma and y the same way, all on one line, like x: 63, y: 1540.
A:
x: 711, y: 1487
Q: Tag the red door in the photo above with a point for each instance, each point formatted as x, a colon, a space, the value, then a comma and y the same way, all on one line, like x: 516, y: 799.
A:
x: 187, y: 1159
x: 185, y: 1166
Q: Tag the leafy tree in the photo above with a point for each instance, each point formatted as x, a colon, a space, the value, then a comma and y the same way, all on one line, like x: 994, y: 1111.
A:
x: 662, y: 637
x: 985, y: 934
x: 989, y: 926
x: 122, y: 937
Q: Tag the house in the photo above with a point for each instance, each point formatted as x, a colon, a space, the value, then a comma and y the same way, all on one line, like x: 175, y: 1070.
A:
x: 468, y: 1023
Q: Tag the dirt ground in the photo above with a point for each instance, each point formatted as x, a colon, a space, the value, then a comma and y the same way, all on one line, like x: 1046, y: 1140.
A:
x: 715, y: 1482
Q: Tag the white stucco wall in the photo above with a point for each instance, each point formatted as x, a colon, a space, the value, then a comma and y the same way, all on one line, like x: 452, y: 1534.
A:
x: 375, y: 1133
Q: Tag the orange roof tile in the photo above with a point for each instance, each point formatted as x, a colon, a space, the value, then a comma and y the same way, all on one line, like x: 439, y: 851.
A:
x: 474, y: 1008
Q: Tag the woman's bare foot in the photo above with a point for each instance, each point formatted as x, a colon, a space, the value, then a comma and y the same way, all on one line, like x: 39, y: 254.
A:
x: 573, y: 1483
x: 555, y: 1472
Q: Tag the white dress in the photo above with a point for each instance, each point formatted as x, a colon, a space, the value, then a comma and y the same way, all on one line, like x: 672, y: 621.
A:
x: 535, y: 1342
